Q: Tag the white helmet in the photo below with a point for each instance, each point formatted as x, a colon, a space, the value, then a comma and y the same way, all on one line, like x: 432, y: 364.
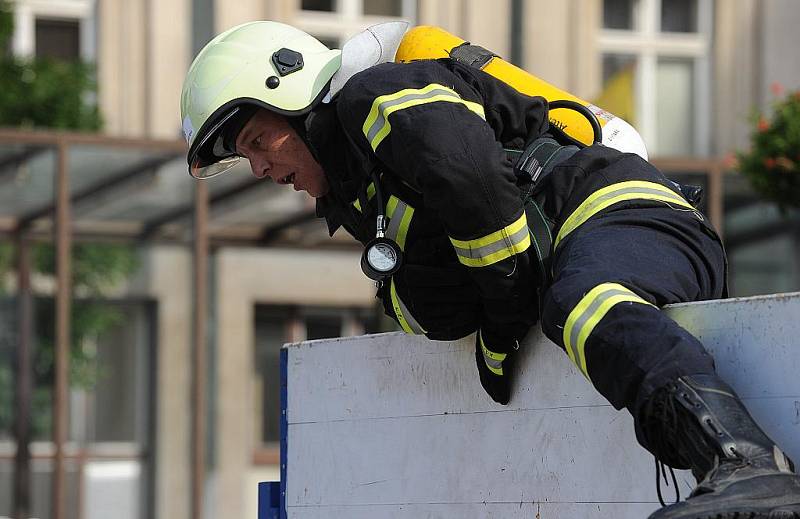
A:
x: 255, y: 65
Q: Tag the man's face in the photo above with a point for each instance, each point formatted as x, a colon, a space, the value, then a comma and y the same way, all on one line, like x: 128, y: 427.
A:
x: 275, y: 150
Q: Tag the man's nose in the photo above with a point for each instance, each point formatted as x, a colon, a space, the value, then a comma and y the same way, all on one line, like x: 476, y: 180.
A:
x: 260, y: 168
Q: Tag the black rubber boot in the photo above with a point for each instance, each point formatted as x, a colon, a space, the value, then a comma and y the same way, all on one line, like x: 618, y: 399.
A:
x: 699, y: 423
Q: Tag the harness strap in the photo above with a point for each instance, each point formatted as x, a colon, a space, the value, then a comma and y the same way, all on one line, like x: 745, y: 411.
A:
x: 541, y: 239
x: 472, y: 55
x: 531, y: 166
x: 540, y: 157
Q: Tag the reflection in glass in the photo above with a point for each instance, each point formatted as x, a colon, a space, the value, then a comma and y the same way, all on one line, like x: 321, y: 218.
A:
x: 614, y: 64
x: 619, y: 93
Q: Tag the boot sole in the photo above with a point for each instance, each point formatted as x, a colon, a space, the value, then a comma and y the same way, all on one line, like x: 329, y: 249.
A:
x: 770, y: 497
x: 781, y: 512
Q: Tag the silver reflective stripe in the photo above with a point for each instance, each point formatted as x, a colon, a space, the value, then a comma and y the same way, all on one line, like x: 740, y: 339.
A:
x: 409, y: 317
x: 396, y: 219
x: 499, y: 245
x: 589, y: 312
x: 382, y: 107
x: 404, y: 317
x: 494, y: 361
x: 494, y: 364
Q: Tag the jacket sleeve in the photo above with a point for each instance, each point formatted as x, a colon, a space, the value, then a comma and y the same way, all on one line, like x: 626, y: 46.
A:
x: 430, y: 127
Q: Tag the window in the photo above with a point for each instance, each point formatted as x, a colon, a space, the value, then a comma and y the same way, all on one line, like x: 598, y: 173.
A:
x: 618, y: 14
x: 58, y: 39
x: 679, y: 16
x: 383, y: 8
x: 116, y: 409
x: 318, y: 5
x: 278, y: 325
x: 656, y: 53
x: 334, y: 21
x: 110, y: 408
x: 64, y: 30
x: 762, y: 242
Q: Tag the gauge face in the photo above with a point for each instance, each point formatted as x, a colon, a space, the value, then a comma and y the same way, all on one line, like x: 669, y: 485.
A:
x: 382, y: 257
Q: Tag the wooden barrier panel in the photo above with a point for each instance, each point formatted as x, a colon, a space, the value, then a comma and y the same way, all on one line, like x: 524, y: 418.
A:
x: 396, y: 426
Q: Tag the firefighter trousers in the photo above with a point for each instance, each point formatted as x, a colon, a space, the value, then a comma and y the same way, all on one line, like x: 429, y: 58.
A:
x: 610, y: 278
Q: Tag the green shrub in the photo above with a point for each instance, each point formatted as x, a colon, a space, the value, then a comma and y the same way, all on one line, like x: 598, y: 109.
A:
x: 43, y: 92
x: 772, y: 164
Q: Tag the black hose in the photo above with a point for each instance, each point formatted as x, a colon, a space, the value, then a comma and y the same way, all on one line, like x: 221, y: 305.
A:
x: 376, y: 179
x: 584, y: 111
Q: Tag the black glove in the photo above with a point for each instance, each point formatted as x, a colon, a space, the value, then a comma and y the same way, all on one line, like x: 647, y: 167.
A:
x: 493, y: 355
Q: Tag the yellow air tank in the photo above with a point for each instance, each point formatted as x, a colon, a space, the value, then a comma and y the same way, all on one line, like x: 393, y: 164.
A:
x: 427, y: 42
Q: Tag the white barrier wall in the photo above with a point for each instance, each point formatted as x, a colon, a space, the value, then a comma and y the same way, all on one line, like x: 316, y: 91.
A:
x: 394, y: 426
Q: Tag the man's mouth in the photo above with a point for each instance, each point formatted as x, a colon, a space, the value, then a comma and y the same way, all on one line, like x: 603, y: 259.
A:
x: 288, y: 179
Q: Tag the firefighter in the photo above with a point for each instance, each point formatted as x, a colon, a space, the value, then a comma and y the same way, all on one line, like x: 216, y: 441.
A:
x: 421, y: 163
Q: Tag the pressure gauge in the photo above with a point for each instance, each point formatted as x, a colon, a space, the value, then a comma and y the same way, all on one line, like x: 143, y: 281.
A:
x: 382, y: 257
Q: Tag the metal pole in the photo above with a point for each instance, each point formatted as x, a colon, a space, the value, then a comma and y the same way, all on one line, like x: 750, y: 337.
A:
x: 63, y: 310
x: 199, y: 361
x: 24, y: 382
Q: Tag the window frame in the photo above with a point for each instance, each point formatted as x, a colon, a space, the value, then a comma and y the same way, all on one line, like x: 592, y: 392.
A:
x: 353, y: 323
x: 647, y: 43
x: 26, y: 12
x: 347, y: 19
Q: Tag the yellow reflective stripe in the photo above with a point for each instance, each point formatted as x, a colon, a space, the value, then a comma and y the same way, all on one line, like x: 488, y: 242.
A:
x: 615, y: 193
x: 405, y: 223
x: 370, y: 195
x: 404, y: 317
x: 499, y: 357
x: 400, y: 215
x: 493, y: 237
x: 499, y: 245
x: 589, y: 311
x: 494, y: 361
x: 500, y: 255
x: 391, y: 206
x: 377, y: 126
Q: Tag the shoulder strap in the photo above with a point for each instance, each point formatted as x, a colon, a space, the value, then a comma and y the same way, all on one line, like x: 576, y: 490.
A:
x: 542, y: 239
x: 472, y: 55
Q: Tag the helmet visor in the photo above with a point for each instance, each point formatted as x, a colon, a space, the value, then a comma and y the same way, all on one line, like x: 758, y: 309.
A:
x: 215, y: 152
x: 202, y: 171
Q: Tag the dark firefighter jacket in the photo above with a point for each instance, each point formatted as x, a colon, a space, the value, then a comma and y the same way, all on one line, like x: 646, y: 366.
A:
x: 438, y: 131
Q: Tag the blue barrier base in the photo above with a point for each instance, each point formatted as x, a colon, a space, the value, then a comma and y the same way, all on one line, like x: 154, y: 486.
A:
x: 269, y: 500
